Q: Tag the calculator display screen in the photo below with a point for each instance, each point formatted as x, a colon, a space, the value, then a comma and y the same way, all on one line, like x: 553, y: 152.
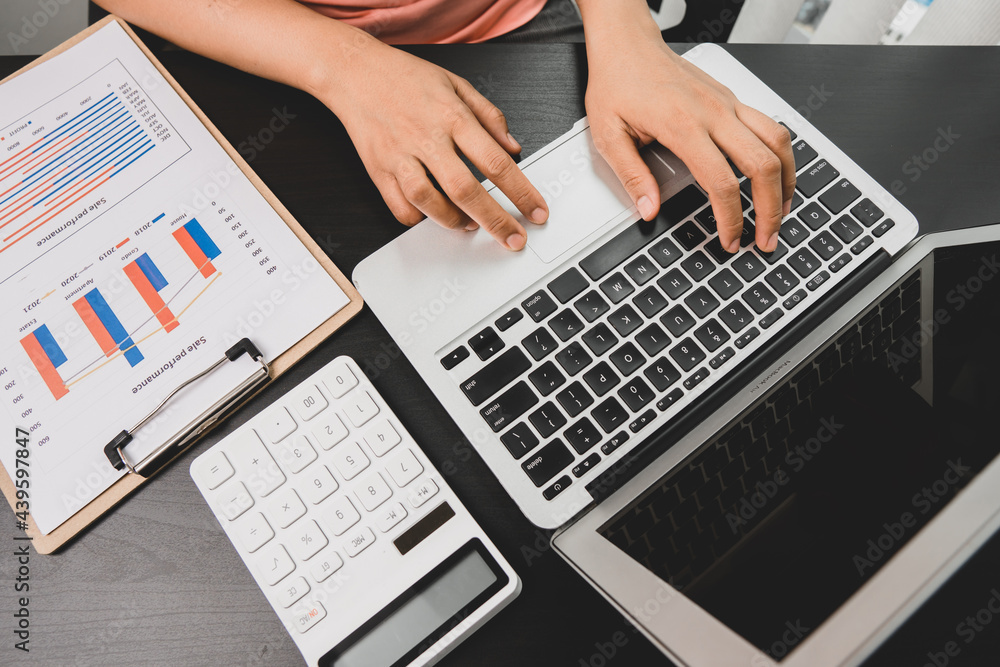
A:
x: 425, y: 613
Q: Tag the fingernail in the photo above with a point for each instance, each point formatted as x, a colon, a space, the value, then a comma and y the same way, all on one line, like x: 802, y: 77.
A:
x: 515, y: 241
x: 645, y: 207
x: 772, y: 243
x: 539, y: 215
x: 734, y: 246
x: 471, y: 227
x: 511, y: 139
x: 786, y: 208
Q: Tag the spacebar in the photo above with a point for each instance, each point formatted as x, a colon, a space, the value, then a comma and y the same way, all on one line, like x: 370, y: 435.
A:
x: 626, y: 244
x: 496, y: 375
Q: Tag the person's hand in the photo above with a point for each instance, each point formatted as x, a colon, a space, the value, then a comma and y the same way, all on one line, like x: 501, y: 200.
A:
x: 640, y: 91
x: 409, y: 120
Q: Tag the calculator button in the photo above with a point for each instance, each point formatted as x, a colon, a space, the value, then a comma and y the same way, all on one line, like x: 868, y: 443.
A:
x: 309, y: 402
x: 295, y: 453
x: 349, y: 459
x: 307, y: 617
x: 292, y: 591
x: 358, y: 541
x: 404, y: 468
x: 274, y: 563
x: 214, y: 469
x: 382, y: 437
x: 339, y: 380
x: 277, y: 424
x: 361, y: 409
x: 326, y: 565
x: 285, y: 507
x: 329, y: 431
x: 318, y: 485
x: 254, y: 531
x: 423, y: 492
x: 390, y: 516
x: 254, y: 464
x: 340, y: 515
x: 307, y: 540
x: 372, y: 491
x: 234, y: 499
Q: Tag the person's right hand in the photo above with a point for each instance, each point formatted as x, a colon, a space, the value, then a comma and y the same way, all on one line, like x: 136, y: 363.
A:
x: 409, y: 119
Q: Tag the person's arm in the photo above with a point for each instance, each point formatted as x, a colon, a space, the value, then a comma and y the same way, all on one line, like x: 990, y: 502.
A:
x: 408, y: 118
x: 640, y: 91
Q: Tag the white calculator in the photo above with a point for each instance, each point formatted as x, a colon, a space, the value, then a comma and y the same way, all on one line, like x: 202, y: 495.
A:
x: 360, y: 546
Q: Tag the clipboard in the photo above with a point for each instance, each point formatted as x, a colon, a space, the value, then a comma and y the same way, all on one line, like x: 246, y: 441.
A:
x: 102, y: 503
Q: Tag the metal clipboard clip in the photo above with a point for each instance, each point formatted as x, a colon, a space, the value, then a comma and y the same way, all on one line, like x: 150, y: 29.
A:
x: 156, y: 459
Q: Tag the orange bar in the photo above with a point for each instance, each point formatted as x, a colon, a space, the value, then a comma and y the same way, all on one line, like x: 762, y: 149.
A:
x: 150, y: 296
x: 123, y: 242
x: 23, y: 154
x: 45, y: 368
x: 25, y: 199
x: 95, y: 326
x: 194, y: 252
x: 54, y: 214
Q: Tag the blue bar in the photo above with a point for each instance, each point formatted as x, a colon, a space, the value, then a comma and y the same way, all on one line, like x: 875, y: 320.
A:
x: 96, y: 104
x: 159, y: 217
x: 151, y: 147
x: 114, y: 327
x: 88, y: 144
x: 153, y: 274
x: 51, y: 347
x: 86, y: 121
x: 203, y: 240
x: 76, y: 175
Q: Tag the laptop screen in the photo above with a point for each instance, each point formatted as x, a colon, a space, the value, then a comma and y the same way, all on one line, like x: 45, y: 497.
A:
x: 777, y: 521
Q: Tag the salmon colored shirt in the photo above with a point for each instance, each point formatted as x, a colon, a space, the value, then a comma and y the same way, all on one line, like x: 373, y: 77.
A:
x: 431, y: 21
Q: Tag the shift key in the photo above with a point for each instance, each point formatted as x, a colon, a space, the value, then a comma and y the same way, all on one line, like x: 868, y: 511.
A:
x: 508, y: 406
x: 496, y: 375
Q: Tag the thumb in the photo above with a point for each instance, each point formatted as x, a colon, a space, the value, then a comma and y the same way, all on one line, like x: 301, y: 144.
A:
x: 619, y: 149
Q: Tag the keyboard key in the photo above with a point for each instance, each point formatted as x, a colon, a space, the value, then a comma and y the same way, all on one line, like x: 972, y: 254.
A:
x: 793, y: 232
x: 457, y: 356
x: 722, y: 357
x: 759, y: 297
x: 677, y: 320
x: 650, y: 301
x: 702, y: 302
x: 748, y: 266
x: 214, y: 469
x: 736, y: 316
x: 669, y: 399
x: 560, y: 484
x: 308, y: 402
x: 573, y: 358
x: 339, y: 515
x: 325, y: 565
x: 795, y: 299
x: 404, y: 468
x: 547, y: 462
x: 725, y: 284
x: 771, y: 318
x: 486, y: 343
x: 339, y: 379
x: 600, y: 339
x: 566, y: 324
x: 361, y: 408
x: 610, y: 414
x: 675, y: 284
x: 601, y: 378
x: 285, y: 507
x: 539, y: 344
x: 652, y: 339
x: 712, y: 335
x: 689, y: 236
x: 568, y: 285
x: 662, y: 374
x: 748, y: 233
x: 372, y: 491
x: 627, y: 359
x: 519, y: 440
x: 636, y: 394
x: 616, y: 441
x: 349, y: 460
x: 846, y: 229
x: 804, y: 154
x: 254, y: 464
x: 617, y: 287
x: 642, y: 421
x: 867, y: 212
x: 381, y: 437
x: 814, y: 216
x: 253, y: 531
x: 804, y: 262
x: 637, y: 235
x: 706, y: 218
x: 698, y: 266
x: 718, y: 253
x: 883, y: 228
x: 547, y: 419
x: 687, y: 354
x: 791, y: 132
x: 389, y: 517
x: 840, y: 262
x: 305, y: 619
x: 700, y: 375
x: 358, y: 541
x: 771, y: 257
x: 665, y: 253
x: 592, y: 305
x: 277, y: 424
x: 641, y: 270
x: 625, y: 320
x: 861, y: 245
x: 329, y: 430
x: 306, y: 541
x: 814, y: 179
x: 747, y: 338
x: 547, y: 378
x: 318, y: 485
x: 274, y: 563
x: 581, y: 469
x: 782, y: 279
x: 509, y: 319
x: 422, y: 492
x: 840, y: 196
x: 539, y: 306
x: 574, y: 399
x: 295, y: 453
x: 825, y: 245
x: 582, y: 435
x: 508, y: 406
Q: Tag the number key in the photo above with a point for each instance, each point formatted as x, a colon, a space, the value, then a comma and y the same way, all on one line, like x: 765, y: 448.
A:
x: 372, y: 491
x: 349, y: 459
x: 339, y: 515
x: 318, y: 485
x: 309, y: 402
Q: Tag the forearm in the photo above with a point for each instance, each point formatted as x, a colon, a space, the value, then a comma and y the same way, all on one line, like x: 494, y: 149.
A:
x: 608, y: 23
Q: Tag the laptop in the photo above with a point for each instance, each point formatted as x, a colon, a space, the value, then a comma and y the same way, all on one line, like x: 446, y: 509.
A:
x: 603, y: 369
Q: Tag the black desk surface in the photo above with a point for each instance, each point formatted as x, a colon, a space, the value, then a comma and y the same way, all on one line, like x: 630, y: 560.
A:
x: 156, y: 581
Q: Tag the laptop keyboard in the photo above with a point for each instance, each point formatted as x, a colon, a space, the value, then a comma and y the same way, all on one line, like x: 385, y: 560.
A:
x: 623, y: 334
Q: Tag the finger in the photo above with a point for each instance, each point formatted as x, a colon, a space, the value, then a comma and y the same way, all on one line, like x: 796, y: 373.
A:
x: 465, y: 191
x: 619, y: 149
x: 501, y: 169
x: 415, y: 185
x: 488, y: 114
x: 777, y: 138
x: 713, y: 173
x: 403, y: 210
x: 763, y: 168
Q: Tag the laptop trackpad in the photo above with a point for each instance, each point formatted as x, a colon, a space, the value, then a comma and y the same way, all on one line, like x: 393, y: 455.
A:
x: 582, y: 192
